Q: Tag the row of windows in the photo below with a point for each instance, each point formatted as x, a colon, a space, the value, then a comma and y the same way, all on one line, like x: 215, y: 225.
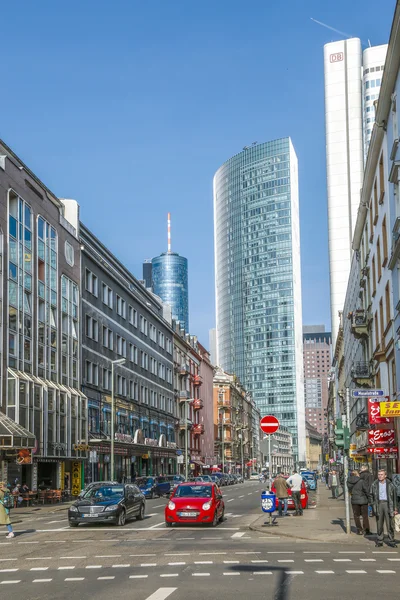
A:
x: 372, y: 83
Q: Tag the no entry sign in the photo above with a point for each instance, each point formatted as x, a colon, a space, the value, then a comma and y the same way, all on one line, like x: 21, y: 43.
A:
x: 269, y: 424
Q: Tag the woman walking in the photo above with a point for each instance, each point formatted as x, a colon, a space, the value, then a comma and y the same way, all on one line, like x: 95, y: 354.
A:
x: 359, y: 491
x: 4, y: 512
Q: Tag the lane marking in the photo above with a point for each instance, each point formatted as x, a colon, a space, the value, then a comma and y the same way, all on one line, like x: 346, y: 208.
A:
x: 241, y: 496
x: 176, y: 554
x: 231, y: 562
x: 7, y: 559
x: 71, y: 557
x: 108, y: 555
x: 148, y: 565
x: 200, y: 574
x: 105, y: 578
x: 247, y: 552
x: 342, y: 560
x: 384, y: 571
x: 37, y: 558
x: 176, y: 564
x: 280, y: 552
x: 355, y: 572
x: 313, y: 560
x: 350, y: 552
x: 316, y: 552
x: 10, y: 581
x: 258, y: 561
x: 161, y: 593
x: 238, y: 534
x: 324, y: 572
x: 94, y: 567
x: 383, y: 552
x: 39, y: 569
x: 65, y: 568
x: 231, y: 500
x: 156, y: 525
x: 159, y: 506
x: 8, y: 570
x: 393, y: 559
x: 138, y: 576
x: 169, y: 575
x: 368, y: 559
x: 204, y: 562
x: 212, y: 553
x: 74, y: 579
x: 141, y: 555
x: 41, y: 580
x: 286, y: 561
x: 233, y: 573
x: 120, y: 566
x: 262, y: 573
x: 294, y: 572
x: 191, y: 538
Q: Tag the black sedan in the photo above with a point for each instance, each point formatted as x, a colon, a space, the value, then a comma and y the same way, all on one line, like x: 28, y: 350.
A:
x: 105, y: 503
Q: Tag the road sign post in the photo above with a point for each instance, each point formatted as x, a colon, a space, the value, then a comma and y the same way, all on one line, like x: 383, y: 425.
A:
x: 269, y: 425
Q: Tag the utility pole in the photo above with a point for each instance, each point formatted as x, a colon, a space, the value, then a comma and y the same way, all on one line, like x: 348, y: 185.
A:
x: 186, y: 441
x: 346, y: 464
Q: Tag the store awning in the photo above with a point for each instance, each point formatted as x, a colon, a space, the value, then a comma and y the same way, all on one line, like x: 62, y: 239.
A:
x: 13, y: 435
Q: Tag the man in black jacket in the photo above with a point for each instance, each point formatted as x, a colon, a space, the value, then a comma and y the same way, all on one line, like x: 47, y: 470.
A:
x: 359, y: 491
x: 383, y: 497
x: 366, y: 474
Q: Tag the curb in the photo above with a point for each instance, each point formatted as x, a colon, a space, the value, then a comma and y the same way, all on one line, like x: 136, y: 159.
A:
x: 277, y: 533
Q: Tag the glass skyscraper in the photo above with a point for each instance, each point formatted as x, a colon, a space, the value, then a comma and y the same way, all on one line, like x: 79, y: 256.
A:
x: 170, y: 283
x: 258, y: 280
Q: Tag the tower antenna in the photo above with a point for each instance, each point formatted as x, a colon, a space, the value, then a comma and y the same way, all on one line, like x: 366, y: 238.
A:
x: 169, y: 232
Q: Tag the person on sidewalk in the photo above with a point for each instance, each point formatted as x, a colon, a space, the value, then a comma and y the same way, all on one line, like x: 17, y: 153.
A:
x: 334, y: 484
x: 295, y: 481
x: 366, y: 474
x: 359, y: 491
x: 4, y: 512
x: 281, y: 490
x: 383, y: 498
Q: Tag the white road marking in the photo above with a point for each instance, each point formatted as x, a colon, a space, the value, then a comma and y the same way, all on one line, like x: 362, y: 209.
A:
x: 27, y: 542
x: 324, y: 572
x: 342, y: 560
x: 383, y: 552
x: 71, y: 557
x: 10, y: 581
x: 141, y: 555
x: 109, y: 555
x: 7, y: 559
x: 238, y: 534
x: 289, y: 560
x: 39, y: 569
x: 384, y: 571
x: 212, y: 553
x: 138, y: 576
x: 247, y: 552
x: 280, y: 552
x: 212, y: 538
x: 258, y: 561
x: 94, y: 567
x: 176, y: 564
x: 37, y: 558
x: 156, y: 525
x: 204, y: 562
x: 41, y: 580
x: 368, y: 559
x: 148, y: 565
x: 316, y: 552
x: 169, y: 575
x: 65, y: 568
x: 158, y: 506
x: 350, y: 552
x: 313, y: 560
x: 74, y: 579
x: 191, y: 538
x: 120, y: 566
x: 152, y: 514
x: 393, y: 559
x: 51, y: 522
x: 231, y: 562
x: 294, y: 572
x: 161, y: 593
x: 250, y: 493
x: 175, y: 554
x: 262, y: 573
x: 200, y: 574
x: 8, y: 570
x: 233, y: 573
x: 241, y: 496
x: 105, y: 578
x: 231, y: 500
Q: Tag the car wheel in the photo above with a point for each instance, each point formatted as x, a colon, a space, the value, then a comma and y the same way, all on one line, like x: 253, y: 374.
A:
x: 121, y: 518
x: 167, y: 524
x: 140, y: 516
x: 215, y: 520
x: 73, y: 524
x: 222, y: 517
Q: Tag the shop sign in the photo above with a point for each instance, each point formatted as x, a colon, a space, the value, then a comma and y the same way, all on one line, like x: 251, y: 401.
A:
x: 124, y: 438
x: 381, y: 437
x: 145, y: 456
x: 76, y: 479
x: 150, y: 442
x: 384, y: 451
x: 179, y: 460
x: 361, y: 439
x: 374, y: 412
x: 171, y: 445
x: 390, y: 409
x: 81, y: 447
x: 353, y: 450
x: 192, y: 466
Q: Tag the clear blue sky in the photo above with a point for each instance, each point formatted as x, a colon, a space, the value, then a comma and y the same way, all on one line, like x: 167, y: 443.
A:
x: 131, y: 106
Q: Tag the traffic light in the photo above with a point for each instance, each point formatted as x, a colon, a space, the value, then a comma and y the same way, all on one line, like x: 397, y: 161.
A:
x: 342, y: 435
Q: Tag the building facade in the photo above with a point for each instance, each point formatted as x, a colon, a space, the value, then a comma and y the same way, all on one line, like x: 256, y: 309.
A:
x: 314, y: 458
x: 350, y: 93
x: 317, y: 349
x: 122, y: 321
x: 40, y: 332
x: 206, y: 374
x: 281, y: 452
x: 258, y: 280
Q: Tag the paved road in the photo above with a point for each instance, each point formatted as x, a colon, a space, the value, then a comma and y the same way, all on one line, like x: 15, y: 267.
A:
x: 49, y: 560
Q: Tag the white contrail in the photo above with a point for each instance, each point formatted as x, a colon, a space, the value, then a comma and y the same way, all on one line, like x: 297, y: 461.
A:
x: 331, y: 28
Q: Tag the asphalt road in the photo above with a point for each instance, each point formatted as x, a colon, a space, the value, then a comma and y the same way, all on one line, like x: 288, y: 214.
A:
x: 48, y: 560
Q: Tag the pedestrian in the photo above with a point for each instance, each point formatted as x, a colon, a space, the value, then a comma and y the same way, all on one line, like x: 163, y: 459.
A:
x: 359, y: 491
x: 295, y: 482
x: 334, y: 484
x: 327, y: 475
x: 281, y: 490
x: 383, y: 498
x: 5, y: 512
x: 366, y: 474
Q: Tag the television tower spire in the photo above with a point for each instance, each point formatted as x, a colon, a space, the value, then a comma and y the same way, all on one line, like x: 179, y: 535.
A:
x: 169, y: 232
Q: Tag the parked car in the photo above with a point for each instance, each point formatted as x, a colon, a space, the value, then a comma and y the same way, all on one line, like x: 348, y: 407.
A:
x: 108, y: 503
x: 221, y: 478
x: 239, y: 478
x: 195, y: 503
x: 303, y: 497
x: 154, y: 486
x: 203, y: 478
x: 94, y: 483
x: 309, y: 480
x: 175, y: 480
x: 254, y: 475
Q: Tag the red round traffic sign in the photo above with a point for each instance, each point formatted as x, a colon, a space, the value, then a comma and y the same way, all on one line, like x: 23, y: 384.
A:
x: 269, y: 424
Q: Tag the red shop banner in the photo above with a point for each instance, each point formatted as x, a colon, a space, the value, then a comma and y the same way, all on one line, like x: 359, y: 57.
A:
x: 374, y: 411
x: 381, y: 437
x: 392, y: 450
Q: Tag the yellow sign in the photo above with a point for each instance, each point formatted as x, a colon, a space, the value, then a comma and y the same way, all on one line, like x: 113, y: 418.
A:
x: 81, y: 447
x: 390, y: 409
x: 326, y: 457
x: 76, y: 479
x: 353, y: 450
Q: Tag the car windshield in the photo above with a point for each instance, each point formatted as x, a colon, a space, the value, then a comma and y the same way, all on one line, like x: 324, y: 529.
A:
x: 193, y: 491
x: 144, y: 481
x: 178, y: 478
x: 109, y: 492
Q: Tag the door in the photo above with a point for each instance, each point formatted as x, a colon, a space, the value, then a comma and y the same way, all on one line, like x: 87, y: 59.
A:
x: 129, y: 501
x: 137, y: 499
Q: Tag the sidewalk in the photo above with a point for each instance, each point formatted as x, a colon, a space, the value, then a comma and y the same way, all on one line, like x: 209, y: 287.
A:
x: 19, y: 515
x: 325, y: 523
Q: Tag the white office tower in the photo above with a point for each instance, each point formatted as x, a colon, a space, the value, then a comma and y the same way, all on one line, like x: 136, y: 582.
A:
x: 346, y: 105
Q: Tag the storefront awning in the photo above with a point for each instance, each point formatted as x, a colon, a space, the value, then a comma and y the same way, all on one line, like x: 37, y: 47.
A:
x: 13, y: 435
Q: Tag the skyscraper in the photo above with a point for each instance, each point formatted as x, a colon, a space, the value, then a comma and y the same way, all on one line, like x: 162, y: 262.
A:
x: 350, y: 93
x: 258, y: 281
x: 317, y: 366
x: 168, y: 275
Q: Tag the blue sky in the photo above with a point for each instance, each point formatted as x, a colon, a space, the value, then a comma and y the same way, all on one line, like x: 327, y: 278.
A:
x: 130, y: 107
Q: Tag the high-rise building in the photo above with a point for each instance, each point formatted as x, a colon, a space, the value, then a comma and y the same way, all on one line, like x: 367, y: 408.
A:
x: 317, y: 351
x: 350, y: 93
x: 258, y: 281
x: 169, y: 280
x: 212, y: 340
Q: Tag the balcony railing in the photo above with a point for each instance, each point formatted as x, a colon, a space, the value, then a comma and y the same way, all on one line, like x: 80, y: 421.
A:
x: 361, y: 370
x: 198, y: 429
x: 360, y: 320
x: 184, y: 369
x: 185, y: 424
x: 197, y: 380
x: 197, y: 404
x: 184, y: 394
x: 223, y: 402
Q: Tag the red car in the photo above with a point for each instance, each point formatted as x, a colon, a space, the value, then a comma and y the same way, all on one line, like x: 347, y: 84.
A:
x: 195, y: 502
x: 303, y: 497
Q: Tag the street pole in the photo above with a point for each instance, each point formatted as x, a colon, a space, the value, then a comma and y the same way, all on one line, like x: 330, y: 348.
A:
x: 186, y: 441
x: 241, y: 454
x: 112, y: 422
x: 223, y: 444
x: 269, y: 460
x: 346, y: 466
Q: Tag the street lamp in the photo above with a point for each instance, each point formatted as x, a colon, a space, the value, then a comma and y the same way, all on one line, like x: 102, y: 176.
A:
x: 186, y: 434
x: 119, y: 361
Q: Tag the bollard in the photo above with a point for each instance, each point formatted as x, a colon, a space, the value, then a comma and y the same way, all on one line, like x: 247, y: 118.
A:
x: 268, y: 505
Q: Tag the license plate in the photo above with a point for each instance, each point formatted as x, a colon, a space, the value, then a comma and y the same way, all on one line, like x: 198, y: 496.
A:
x: 89, y: 515
x: 188, y: 514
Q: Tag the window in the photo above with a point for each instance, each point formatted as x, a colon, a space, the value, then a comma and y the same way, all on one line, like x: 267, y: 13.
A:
x: 381, y: 180
x: 161, y: 339
x: 132, y: 316
x: 91, y: 283
x: 384, y: 242
x: 107, y: 296
x: 387, y: 303
x: 92, y: 328
x: 381, y: 323
x: 121, y: 385
x: 69, y: 254
x: 143, y: 325
x: 144, y: 360
x: 92, y: 373
x: 121, y: 307
x: 106, y: 379
x: 378, y: 250
x: 371, y: 222
x: 373, y: 276
x: 375, y: 203
x: 108, y: 341
x: 121, y: 346
x: 70, y: 329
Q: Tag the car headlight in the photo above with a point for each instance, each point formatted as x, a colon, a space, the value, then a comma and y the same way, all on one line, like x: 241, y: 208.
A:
x: 73, y: 509
x: 207, y: 506
x: 302, y: 496
x: 171, y: 505
x: 112, y: 507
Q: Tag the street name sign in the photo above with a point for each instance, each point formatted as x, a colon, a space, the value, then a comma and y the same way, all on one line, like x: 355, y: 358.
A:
x: 367, y: 393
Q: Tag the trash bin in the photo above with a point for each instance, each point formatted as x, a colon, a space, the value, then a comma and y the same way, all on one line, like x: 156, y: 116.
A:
x: 268, y: 502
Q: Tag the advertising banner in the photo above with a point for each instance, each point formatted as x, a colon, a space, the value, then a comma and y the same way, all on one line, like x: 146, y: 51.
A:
x: 390, y: 409
x: 374, y: 412
x: 381, y: 437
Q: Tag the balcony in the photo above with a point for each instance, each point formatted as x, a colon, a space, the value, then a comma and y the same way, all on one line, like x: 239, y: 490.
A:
x: 362, y: 373
x: 185, y: 424
x: 184, y: 395
x: 228, y: 453
x: 225, y: 421
x: 197, y: 404
x: 223, y: 402
x: 360, y: 320
x: 197, y: 380
x: 184, y: 369
x: 198, y: 428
